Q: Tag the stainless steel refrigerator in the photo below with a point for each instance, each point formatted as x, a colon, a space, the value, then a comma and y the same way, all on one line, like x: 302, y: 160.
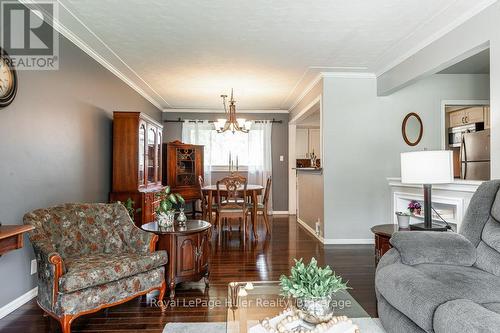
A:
x: 475, y: 155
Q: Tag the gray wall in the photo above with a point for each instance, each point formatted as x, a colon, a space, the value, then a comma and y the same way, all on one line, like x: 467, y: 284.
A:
x: 173, y: 131
x: 56, y: 147
x: 363, y: 141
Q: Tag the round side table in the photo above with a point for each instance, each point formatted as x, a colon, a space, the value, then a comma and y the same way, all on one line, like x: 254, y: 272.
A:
x: 383, y: 232
x: 188, y: 249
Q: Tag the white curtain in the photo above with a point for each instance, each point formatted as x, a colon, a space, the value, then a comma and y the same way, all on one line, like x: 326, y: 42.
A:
x: 260, y: 163
x: 199, y: 133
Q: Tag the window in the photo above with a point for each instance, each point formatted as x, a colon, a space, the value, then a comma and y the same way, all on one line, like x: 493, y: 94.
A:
x: 247, y: 147
x: 227, y: 143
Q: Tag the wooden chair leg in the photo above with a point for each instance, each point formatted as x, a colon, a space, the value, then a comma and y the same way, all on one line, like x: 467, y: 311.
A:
x: 163, y: 290
x: 65, y: 322
x: 254, y: 225
x: 219, y: 226
x: 266, y: 221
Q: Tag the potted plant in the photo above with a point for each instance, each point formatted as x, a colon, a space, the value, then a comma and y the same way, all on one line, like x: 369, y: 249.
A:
x: 312, y: 288
x: 403, y: 220
x: 166, y: 209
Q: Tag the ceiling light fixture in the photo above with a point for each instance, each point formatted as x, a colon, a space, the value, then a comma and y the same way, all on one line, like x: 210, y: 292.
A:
x: 231, y: 123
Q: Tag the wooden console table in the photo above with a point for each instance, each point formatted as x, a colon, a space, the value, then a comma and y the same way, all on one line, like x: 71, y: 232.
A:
x: 11, y: 237
x: 188, y: 251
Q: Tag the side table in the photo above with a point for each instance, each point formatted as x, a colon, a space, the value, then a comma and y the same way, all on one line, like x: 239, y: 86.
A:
x: 188, y: 249
x: 383, y: 232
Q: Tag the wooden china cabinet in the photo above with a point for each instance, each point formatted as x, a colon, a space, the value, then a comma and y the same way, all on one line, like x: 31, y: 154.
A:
x: 183, y: 163
x: 137, y: 163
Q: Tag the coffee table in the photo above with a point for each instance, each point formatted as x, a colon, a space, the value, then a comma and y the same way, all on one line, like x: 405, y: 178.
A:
x: 264, y: 300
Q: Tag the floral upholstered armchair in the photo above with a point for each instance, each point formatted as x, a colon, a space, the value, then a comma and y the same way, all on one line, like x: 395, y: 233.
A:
x: 92, y: 256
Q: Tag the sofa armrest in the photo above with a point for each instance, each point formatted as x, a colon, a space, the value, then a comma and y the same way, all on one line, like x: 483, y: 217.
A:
x: 50, y: 269
x: 431, y: 247
x: 141, y: 241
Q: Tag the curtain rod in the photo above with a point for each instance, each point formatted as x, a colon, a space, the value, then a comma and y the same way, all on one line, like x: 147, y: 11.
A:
x: 180, y: 120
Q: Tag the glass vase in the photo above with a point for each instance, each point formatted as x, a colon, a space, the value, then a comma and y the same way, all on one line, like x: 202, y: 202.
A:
x: 166, y: 220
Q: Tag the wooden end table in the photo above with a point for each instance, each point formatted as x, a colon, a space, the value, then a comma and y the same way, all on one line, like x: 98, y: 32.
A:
x: 384, y: 232
x: 11, y: 237
x: 188, y: 251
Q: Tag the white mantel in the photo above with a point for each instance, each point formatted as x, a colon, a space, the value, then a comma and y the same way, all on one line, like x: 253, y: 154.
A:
x: 454, y: 197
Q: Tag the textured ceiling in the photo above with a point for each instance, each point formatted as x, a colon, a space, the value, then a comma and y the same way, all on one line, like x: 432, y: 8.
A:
x: 189, y: 52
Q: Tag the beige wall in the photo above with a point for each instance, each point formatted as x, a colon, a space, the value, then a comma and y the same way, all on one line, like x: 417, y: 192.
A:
x: 310, y: 198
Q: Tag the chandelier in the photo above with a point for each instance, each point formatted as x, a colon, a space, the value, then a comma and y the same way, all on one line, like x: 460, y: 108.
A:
x: 231, y: 123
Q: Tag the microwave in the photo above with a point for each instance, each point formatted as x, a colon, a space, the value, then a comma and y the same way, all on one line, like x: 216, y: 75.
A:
x: 455, y: 133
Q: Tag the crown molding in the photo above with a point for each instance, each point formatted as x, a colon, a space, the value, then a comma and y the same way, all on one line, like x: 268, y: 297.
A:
x: 131, y: 78
x: 208, y: 110
x: 383, y: 68
x: 349, y: 75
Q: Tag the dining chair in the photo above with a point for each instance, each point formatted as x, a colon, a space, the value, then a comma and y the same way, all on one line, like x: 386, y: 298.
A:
x: 264, y: 206
x: 204, y: 202
x: 233, y: 204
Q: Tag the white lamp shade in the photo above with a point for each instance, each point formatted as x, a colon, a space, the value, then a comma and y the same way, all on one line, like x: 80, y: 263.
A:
x: 427, y: 167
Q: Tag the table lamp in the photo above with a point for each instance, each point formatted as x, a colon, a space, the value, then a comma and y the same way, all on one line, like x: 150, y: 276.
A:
x: 427, y: 167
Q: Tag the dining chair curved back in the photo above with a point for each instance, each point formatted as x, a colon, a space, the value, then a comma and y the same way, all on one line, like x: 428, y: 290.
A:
x: 203, y: 199
x: 235, y: 192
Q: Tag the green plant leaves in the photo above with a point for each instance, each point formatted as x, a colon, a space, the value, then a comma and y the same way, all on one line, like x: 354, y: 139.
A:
x: 168, y: 200
x: 311, y: 281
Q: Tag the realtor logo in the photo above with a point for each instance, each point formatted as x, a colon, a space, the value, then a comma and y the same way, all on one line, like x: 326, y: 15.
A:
x: 28, y: 36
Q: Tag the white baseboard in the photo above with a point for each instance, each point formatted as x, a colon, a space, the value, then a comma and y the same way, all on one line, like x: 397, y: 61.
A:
x: 334, y: 241
x: 279, y: 212
x: 310, y: 230
x: 349, y: 241
x: 18, y: 302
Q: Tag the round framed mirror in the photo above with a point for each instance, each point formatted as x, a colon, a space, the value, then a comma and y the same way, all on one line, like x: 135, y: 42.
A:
x: 412, y: 129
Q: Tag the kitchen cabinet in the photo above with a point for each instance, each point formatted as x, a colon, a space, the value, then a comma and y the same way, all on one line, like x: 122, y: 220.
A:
x: 307, y: 141
x: 470, y: 115
x: 302, y: 143
x: 486, y: 116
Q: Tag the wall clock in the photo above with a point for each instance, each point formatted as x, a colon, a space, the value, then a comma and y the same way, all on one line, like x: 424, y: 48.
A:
x: 8, y: 80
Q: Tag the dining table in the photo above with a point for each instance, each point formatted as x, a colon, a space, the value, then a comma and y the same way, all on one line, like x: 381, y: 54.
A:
x: 252, y: 191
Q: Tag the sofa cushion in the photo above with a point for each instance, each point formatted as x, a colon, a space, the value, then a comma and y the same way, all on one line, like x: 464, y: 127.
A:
x: 98, y: 269
x: 92, y: 298
x: 418, y: 290
x: 463, y: 315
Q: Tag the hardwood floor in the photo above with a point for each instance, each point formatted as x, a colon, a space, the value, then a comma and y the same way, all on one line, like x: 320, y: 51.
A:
x: 266, y: 259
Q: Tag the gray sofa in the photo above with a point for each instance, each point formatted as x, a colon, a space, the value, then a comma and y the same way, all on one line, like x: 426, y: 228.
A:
x: 445, y: 282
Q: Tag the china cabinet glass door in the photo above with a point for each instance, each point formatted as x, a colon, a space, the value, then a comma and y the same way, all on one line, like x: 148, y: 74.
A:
x: 151, y: 155
x: 186, y: 173
x: 142, y: 153
x: 158, y: 159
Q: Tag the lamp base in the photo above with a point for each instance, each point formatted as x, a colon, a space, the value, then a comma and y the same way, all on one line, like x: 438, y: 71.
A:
x: 434, y: 227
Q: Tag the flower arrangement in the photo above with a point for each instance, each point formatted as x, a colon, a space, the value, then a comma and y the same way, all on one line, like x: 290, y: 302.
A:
x: 310, y: 281
x: 415, y: 207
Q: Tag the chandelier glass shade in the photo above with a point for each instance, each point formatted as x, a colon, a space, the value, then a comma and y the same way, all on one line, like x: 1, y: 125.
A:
x: 231, y: 123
